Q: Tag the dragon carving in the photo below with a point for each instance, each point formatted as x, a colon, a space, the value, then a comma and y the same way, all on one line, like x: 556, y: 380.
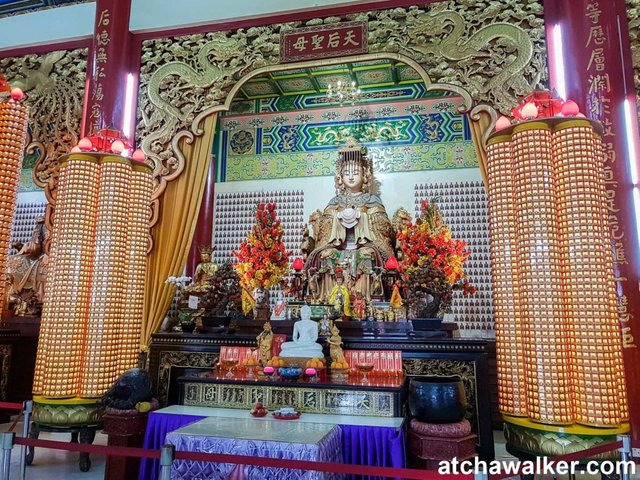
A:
x: 493, y: 49
x: 454, y: 46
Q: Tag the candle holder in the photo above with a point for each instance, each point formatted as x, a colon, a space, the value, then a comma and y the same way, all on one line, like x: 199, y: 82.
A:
x: 229, y: 363
x: 365, y: 369
x: 312, y: 373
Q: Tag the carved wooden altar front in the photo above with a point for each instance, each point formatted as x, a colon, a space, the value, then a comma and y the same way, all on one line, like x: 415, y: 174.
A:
x: 177, y: 358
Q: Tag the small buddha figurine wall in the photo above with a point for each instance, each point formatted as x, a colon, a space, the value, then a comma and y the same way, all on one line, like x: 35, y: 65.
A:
x: 353, y: 231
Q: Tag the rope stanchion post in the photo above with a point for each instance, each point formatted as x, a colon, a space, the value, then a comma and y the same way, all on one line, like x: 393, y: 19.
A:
x: 167, y: 452
x: 7, y: 445
x: 481, y: 476
x: 28, y: 408
x: 625, y: 456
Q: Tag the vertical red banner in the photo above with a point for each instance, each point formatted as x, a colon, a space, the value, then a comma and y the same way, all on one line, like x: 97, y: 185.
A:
x: 109, y: 64
x: 590, y: 62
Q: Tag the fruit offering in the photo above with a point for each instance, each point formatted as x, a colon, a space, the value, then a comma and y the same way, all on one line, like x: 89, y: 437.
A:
x: 250, y: 362
x: 339, y: 364
x: 275, y: 362
x: 315, y: 363
x: 258, y: 410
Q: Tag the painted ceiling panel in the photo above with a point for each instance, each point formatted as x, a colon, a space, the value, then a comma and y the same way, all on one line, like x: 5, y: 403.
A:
x: 316, y: 79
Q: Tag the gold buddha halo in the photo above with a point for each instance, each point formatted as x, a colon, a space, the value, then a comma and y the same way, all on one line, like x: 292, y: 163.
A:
x: 13, y: 131
x: 540, y: 286
x: 507, y: 309
x: 86, y: 336
x: 138, y: 243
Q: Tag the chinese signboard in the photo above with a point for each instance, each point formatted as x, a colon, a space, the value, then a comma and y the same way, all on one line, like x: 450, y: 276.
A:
x: 323, y: 41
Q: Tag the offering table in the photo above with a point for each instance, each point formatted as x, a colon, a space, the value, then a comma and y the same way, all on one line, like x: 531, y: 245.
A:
x: 177, y: 355
x: 358, y: 433
x: 257, y: 437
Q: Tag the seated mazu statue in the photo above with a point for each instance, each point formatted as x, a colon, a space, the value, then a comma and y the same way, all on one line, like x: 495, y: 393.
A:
x: 353, y: 235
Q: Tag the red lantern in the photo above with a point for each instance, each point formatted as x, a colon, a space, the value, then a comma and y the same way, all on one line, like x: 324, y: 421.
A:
x: 391, y: 264
x: 298, y: 264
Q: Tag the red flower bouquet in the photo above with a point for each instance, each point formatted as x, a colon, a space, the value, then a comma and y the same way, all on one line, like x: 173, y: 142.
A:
x: 431, y: 260
x: 263, y: 259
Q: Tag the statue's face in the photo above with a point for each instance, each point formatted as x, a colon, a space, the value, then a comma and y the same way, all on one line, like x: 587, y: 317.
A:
x: 205, y: 257
x: 353, y: 176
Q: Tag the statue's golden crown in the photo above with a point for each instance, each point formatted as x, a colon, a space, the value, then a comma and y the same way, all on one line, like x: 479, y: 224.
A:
x: 353, y: 151
x: 206, y: 249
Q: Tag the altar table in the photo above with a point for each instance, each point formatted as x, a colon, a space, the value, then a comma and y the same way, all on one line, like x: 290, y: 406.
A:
x: 374, y: 441
x: 257, y: 437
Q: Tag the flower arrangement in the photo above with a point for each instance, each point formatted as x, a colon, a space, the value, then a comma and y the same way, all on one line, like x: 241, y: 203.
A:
x: 263, y: 259
x: 432, y: 262
x: 222, y: 296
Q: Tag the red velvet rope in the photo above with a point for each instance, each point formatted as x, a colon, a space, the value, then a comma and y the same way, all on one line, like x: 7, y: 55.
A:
x: 87, y: 448
x: 243, y: 460
x: 11, y: 406
x: 292, y: 464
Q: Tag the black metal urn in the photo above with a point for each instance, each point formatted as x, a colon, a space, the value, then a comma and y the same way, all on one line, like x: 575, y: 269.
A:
x: 437, y: 399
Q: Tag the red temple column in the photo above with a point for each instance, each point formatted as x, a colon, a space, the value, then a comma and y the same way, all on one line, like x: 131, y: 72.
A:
x: 590, y: 63
x: 204, y: 227
x: 110, y: 64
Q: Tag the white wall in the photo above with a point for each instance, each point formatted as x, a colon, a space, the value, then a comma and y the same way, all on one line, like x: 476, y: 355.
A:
x: 61, y: 24
x: 54, y: 25
x: 150, y: 15
x: 396, y: 189
x: 32, y: 197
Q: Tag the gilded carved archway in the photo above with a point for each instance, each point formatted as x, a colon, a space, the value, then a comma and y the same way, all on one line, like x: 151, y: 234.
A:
x: 183, y: 80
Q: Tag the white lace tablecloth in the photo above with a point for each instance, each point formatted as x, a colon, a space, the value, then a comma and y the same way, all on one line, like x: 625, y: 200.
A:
x: 284, y: 439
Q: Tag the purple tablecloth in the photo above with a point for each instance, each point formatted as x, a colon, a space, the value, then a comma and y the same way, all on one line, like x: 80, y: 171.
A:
x: 361, y: 445
x: 310, y: 442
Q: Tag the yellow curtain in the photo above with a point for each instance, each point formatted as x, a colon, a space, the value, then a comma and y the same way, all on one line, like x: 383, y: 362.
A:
x: 172, y: 235
x: 478, y: 129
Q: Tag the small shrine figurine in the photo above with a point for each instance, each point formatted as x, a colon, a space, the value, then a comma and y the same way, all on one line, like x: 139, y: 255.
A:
x: 261, y: 308
x: 360, y: 307
x: 335, y: 345
x: 279, y: 308
x: 325, y: 327
x: 339, y: 296
x: 265, y: 342
x: 304, y: 339
x: 308, y: 243
x: 205, y: 271
x: 390, y: 315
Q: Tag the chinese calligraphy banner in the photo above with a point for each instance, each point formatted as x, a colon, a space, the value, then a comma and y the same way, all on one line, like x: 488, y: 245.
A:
x: 599, y: 77
x: 323, y: 41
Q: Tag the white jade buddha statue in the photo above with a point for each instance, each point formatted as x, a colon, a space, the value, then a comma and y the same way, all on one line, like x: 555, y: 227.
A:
x: 305, y: 334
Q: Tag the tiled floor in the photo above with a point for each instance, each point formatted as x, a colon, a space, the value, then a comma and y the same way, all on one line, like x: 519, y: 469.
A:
x: 57, y: 464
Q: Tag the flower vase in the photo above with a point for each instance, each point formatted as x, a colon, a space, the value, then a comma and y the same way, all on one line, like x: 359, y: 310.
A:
x: 427, y: 306
x: 261, y: 309
x: 188, y: 327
